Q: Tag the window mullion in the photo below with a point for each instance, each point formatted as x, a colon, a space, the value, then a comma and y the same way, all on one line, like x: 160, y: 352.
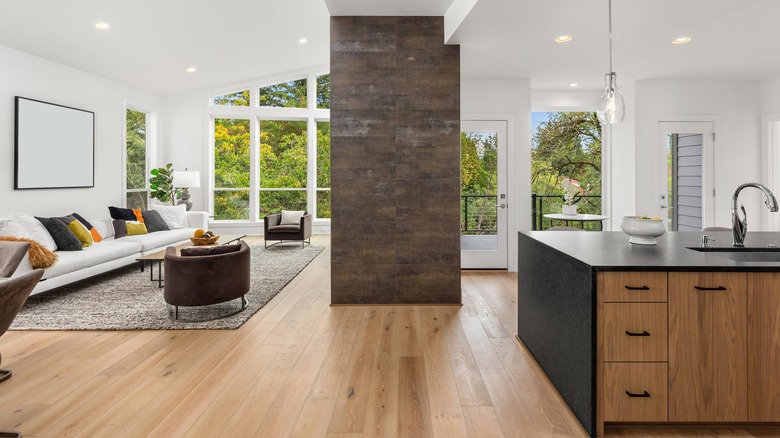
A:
x: 311, y: 167
x: 254, y: 170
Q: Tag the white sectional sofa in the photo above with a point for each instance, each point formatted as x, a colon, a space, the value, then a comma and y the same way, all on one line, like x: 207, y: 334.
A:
x: 110, y: 253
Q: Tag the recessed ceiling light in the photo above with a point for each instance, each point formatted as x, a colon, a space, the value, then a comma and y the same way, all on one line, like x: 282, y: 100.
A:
x: 681, y: 40
x: 573, y: 84
x: 563, y: 39
x: 303, y: 41
x: 102, y: 26
x: 191, y: 70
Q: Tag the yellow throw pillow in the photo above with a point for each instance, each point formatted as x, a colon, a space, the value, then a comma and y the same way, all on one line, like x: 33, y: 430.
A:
x: 81, y: 232
x: 135, y: 228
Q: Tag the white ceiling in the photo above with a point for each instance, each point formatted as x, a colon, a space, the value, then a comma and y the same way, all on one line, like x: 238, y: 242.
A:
x: 732, y: 39
x: 152, y: 42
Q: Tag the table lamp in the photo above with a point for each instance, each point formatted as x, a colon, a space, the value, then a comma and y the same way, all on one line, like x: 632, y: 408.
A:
x: 185, y: 180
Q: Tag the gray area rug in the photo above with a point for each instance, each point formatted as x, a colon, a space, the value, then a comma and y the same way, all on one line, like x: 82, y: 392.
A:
x: 125, y: 299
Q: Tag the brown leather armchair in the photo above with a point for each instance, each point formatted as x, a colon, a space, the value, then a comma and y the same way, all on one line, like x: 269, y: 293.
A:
x: 275, y: 231
x: 202, y: 276
x: 13, y: 293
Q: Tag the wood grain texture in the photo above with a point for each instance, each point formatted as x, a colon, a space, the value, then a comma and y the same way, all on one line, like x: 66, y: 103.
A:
x: 707, y: 347
x: 763, y: 346
x: 230, y: 383
x: 615, y: 286
x: 635, y: 318
x: 414, y: 412
x: 636, y: 378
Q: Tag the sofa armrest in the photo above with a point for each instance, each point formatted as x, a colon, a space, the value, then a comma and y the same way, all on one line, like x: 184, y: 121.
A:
x: 270, y: 221
x: 306, y: 222
x: 198, y: 219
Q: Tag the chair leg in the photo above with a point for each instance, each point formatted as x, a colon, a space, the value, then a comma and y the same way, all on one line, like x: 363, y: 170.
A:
x: 9, y: 434
x: 5, y: 375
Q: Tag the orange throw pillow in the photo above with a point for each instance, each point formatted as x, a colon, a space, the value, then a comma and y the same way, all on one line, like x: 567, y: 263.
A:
x: 138, y: 215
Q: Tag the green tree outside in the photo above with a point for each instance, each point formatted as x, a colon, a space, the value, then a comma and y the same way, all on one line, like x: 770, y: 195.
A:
x: 135, y: 171
x: 567, y: 145
x: 478, y: 182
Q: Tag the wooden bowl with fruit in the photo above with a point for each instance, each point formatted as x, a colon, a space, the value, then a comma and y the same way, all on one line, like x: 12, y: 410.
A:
x: 202, y: 237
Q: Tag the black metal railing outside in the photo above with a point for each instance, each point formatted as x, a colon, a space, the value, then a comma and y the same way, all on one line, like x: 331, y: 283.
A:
x: 478, y: 214
x: 589, y: 204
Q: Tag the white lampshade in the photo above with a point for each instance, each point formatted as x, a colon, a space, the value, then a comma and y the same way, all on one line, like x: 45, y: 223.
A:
x: 186, y: 178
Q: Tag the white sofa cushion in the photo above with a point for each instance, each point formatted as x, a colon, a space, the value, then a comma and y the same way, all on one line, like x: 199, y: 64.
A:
x: 101, y: 252
x: 160, y: 238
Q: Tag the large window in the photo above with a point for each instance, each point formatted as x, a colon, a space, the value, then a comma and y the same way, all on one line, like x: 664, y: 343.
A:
x: 323, y: 169
x: 566, y: 146
x: 275, y: 154
x: 282, y: 166
x: 231, y: 169
x: 136, y: 152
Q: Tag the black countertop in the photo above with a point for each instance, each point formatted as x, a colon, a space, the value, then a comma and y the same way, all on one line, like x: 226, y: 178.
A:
x: 610, y: 250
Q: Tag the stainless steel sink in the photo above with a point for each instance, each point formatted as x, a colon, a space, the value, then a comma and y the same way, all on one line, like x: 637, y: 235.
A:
x: 753, y: 255
x: 750, y: 256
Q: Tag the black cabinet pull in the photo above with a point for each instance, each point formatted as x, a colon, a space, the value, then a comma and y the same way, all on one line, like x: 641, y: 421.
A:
x: 709, y: 288
x: 637, y: 287
x: 644, y: 333
x: 644, y: 394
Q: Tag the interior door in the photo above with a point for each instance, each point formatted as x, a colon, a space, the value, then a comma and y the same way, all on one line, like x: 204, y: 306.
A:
x: 686, y: 192
x: 483, y: 202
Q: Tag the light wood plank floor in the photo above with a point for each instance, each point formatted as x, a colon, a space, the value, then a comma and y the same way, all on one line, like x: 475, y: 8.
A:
x: 300, y: 368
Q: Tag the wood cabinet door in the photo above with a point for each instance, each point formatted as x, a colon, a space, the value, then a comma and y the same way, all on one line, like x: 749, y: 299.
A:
x: 707, y: 346
x: 764, y: 346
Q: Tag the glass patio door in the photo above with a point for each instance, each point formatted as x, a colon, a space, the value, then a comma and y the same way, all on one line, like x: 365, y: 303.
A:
x: 483, y: 200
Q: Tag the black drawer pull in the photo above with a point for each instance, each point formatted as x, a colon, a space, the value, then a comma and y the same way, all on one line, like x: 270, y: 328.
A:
x: 709, y: 288
x: 637, y: 287
x: 644, y: 394
x: 644, y: 333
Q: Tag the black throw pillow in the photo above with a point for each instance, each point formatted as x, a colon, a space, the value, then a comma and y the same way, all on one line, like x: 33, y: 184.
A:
x: 154, y: 222
x: 62, y: 235
x: 122, y: 213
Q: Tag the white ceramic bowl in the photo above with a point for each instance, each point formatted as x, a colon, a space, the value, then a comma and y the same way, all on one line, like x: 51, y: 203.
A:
x: 642, y: 231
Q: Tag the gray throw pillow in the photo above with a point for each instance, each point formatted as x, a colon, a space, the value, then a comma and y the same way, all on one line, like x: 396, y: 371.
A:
x: 154, y: 222
x: 62, y: 235
x: 13, y: 253
x: 120, y: 228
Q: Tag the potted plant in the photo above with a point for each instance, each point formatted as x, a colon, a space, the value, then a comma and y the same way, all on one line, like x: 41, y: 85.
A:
x: 161, y: 185
x: 572, y: 194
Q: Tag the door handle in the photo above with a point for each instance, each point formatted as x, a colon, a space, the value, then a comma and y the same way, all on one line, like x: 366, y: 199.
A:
x: 501, y: 206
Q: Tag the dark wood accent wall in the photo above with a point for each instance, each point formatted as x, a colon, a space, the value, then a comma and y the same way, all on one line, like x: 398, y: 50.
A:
x: 395, y: 161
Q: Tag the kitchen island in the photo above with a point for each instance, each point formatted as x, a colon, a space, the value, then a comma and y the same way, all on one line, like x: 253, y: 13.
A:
x: 654, y: 334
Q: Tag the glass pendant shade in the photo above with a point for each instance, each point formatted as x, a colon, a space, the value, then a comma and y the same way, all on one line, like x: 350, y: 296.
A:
x: 611, y: 108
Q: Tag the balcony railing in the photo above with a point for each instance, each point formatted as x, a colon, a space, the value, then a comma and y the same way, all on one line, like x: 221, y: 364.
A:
x: 545, y: 204
x: 478, y: 214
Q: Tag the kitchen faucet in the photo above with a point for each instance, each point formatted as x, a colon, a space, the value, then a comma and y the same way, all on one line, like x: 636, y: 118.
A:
x: 739, y: 225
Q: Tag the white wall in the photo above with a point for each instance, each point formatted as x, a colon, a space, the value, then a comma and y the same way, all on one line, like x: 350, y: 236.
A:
x: 185, y: 139
x: 735, y: 109
x: 507, y: 99
x: 770, y: 96
x: 29, y: 76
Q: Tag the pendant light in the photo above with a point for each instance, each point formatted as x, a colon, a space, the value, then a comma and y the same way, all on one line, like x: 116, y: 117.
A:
x: 611, y: 108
